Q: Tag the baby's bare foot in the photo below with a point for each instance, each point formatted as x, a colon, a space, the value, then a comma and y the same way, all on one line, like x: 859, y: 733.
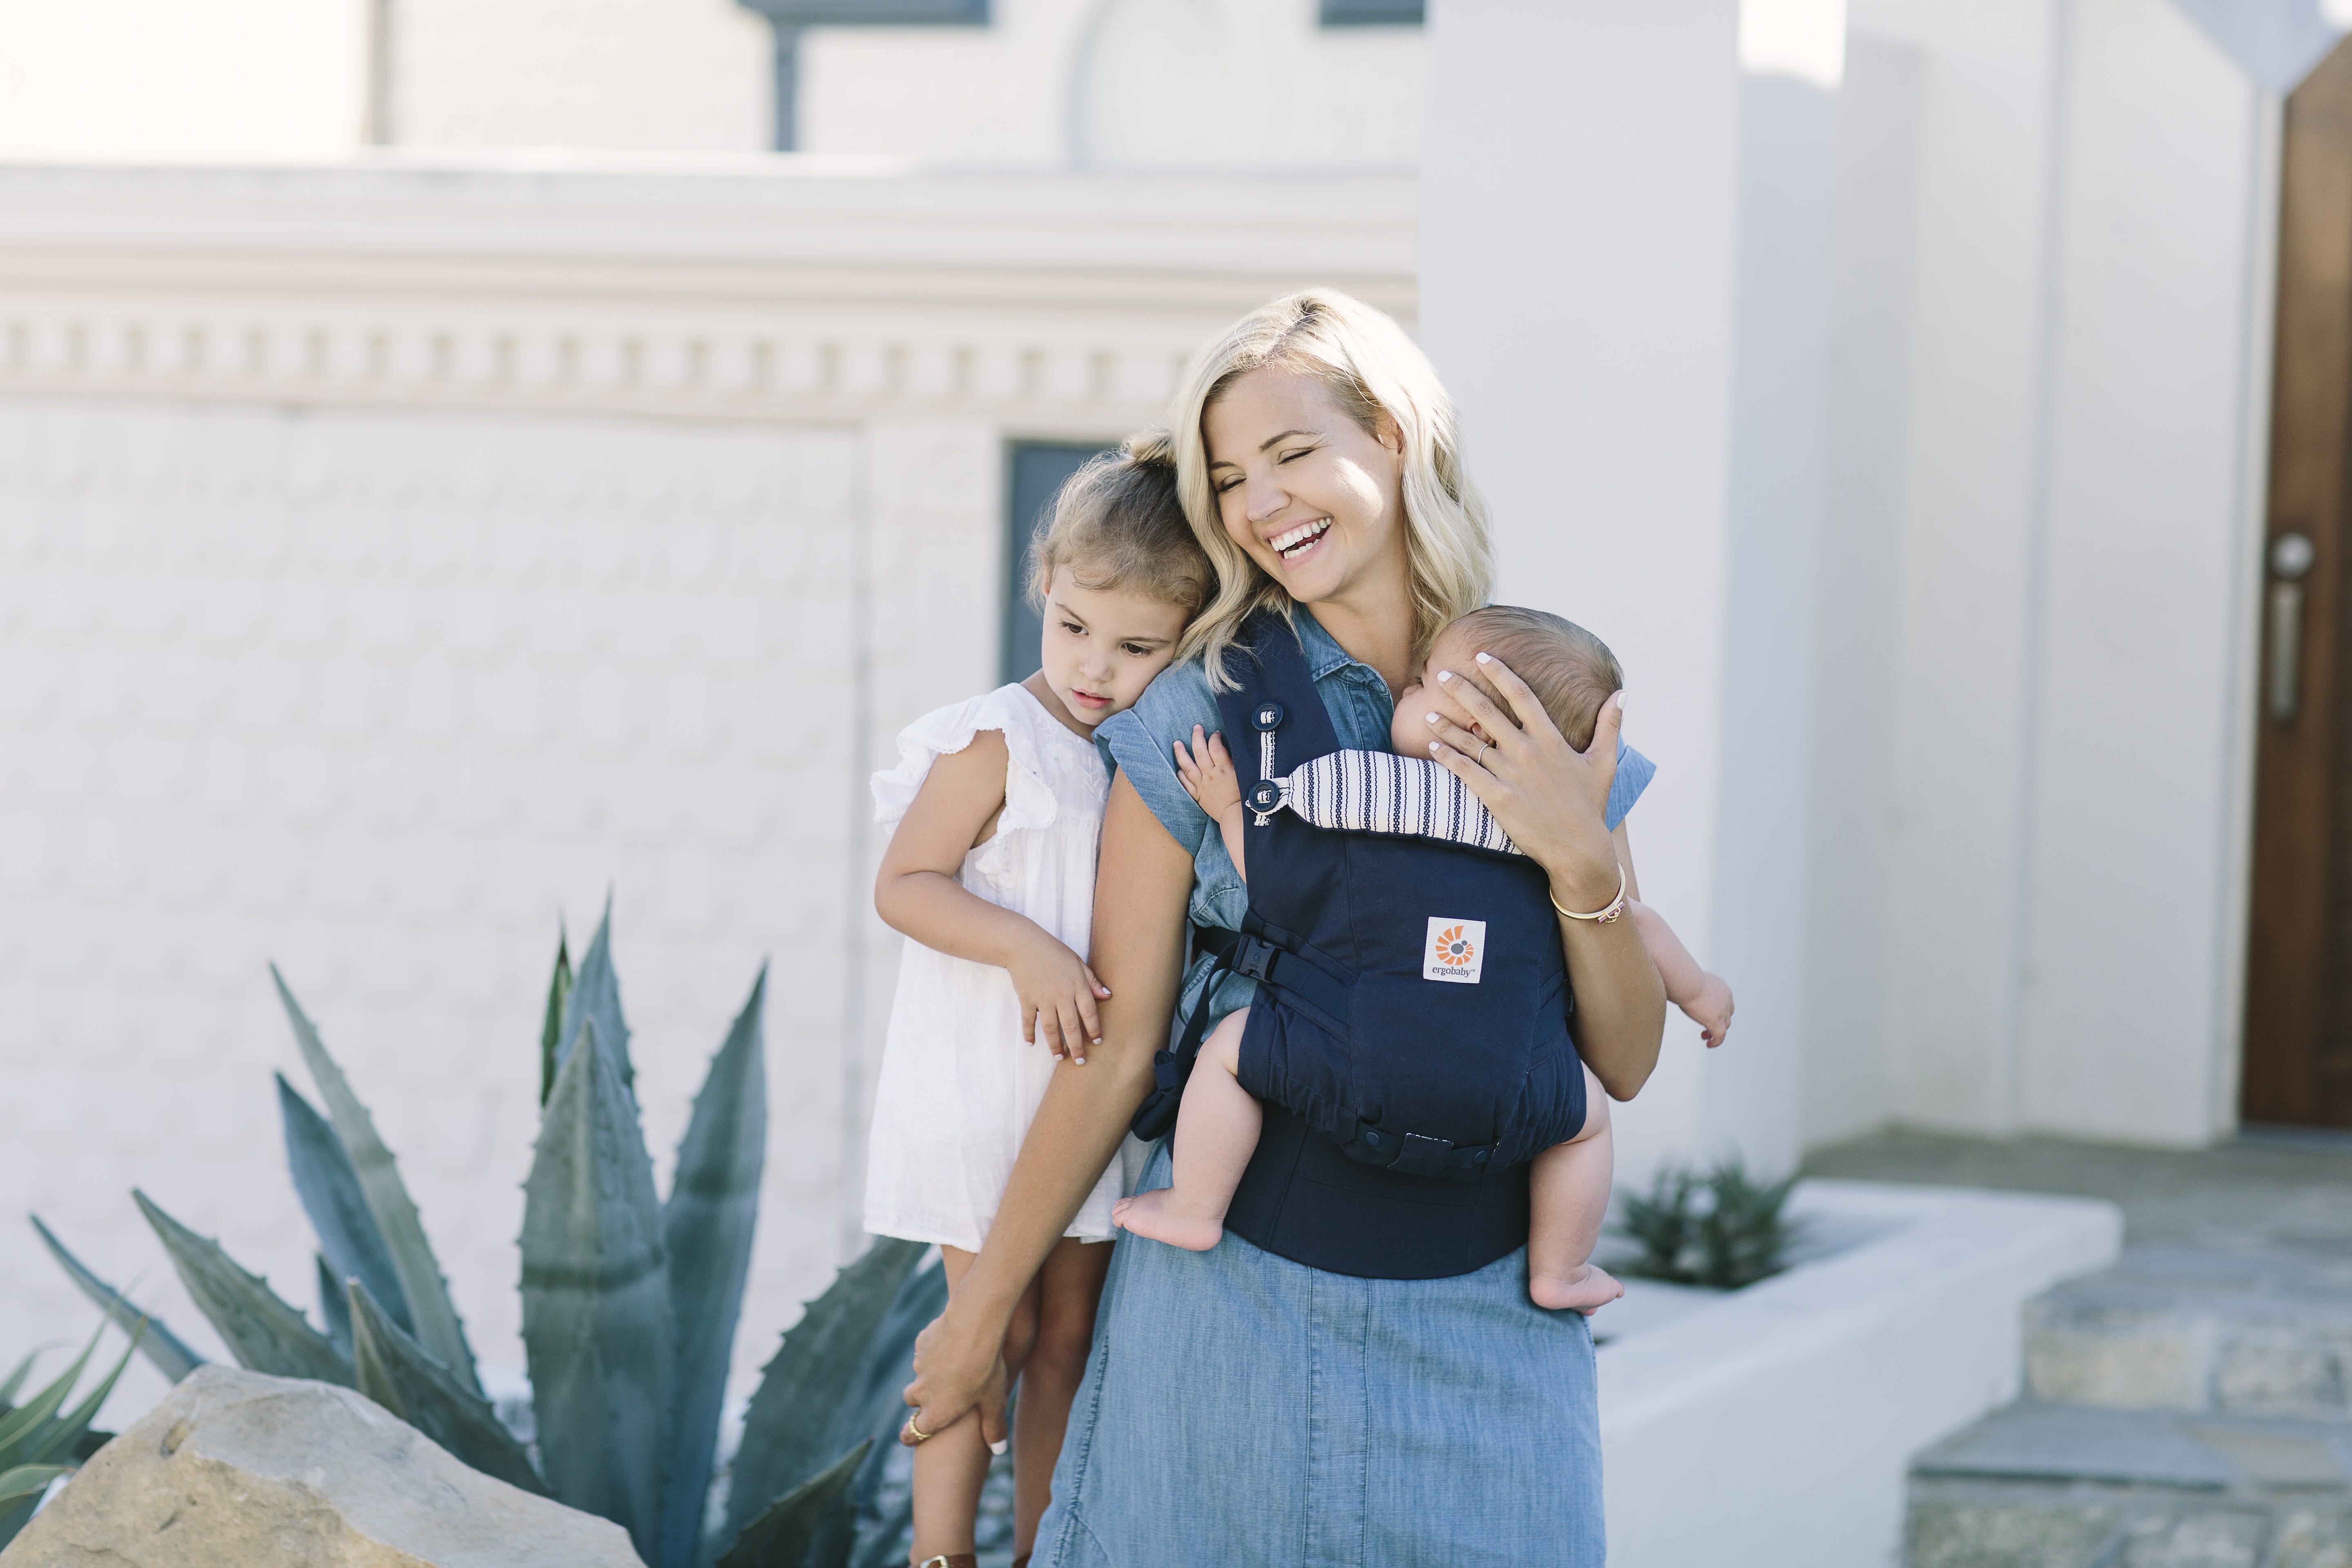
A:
x: 1159, y: 1215
x: 1586, y: 1288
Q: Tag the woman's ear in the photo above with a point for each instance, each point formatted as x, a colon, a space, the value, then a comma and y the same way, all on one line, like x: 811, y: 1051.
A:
x: 1388, y: 432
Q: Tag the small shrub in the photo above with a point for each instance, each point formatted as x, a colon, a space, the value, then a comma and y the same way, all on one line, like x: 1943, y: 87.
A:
x: 1723, y: 1229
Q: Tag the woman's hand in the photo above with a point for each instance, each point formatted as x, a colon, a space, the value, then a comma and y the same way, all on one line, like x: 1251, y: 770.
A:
x: 1058, y: 993
x: 955, y: 1374
x: 1550, y: 797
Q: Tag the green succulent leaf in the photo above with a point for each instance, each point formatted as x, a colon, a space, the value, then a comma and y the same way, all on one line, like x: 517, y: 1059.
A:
x: 822, y: 1361
x: 263, y: 1333
x: 595, y: 994
x: 351, y: 1245
x: 334, y: 1307
x: 20, y: 1427
x: 16, y: 1379
x: 878, y: 1409
x: 432, y: 1316
x: 394, y: 1371
x: 595, y: 1299
x: 707, y: 1225
x: 61, y: 1440
x: 781, y: 1534
x: 170, y: 1354
x: 551, y: 1028
x: 29, y: 1480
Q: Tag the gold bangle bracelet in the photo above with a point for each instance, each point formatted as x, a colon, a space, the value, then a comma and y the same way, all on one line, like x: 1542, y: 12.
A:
x: 1600, y: 917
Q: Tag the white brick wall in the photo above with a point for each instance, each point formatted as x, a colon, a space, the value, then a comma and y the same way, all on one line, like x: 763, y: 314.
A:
x: 381, y: 697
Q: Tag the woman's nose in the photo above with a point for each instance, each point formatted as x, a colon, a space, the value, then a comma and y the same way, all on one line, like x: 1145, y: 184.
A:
x: 1264, y: 498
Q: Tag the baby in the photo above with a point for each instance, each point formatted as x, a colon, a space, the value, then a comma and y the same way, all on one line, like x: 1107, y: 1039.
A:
x: 1572, y: 673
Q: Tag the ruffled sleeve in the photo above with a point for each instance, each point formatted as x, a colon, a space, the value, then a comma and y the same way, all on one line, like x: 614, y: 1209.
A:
x: 1028, y: 800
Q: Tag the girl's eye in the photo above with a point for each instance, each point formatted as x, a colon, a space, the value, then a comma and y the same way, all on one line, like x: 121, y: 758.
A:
x: 1074, y: 629
x: 1134, y: 652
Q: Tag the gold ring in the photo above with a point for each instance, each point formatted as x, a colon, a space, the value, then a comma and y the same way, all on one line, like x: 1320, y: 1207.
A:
x: 917, y: 1433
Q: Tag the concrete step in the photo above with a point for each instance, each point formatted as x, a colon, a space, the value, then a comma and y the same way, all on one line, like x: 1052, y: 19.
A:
x: 2262, y: 1331
x: 2053, y: 1486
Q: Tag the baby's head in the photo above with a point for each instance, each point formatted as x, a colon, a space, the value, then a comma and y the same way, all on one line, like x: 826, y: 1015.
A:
x: 1570, y: 671
x: 1117, y: 576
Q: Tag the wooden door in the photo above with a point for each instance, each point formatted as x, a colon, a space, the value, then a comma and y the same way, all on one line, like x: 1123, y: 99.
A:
x: 2298, y: 1037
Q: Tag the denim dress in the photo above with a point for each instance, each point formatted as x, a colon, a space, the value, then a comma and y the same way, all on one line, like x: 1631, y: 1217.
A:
x: 1241, y: 1408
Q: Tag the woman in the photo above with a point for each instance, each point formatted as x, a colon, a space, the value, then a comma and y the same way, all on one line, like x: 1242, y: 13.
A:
x: 1240, y: 1406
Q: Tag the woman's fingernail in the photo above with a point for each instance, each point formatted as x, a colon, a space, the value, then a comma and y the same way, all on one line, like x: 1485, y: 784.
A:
x: 1433, y: 718
x: 1444, y: 675
x: 1433, y: 748
x: 1483, y: 659
x: 1078, y: 1061
x: 1621, y: 702
x: 997, y: 1447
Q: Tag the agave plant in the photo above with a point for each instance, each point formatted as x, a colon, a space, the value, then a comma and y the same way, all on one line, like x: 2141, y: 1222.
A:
x: 629, y: 1304
x: 1724, y: 1228
x: 41, y: 1439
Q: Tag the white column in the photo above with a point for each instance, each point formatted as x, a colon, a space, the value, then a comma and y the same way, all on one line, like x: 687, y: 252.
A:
x: 1623, y: 255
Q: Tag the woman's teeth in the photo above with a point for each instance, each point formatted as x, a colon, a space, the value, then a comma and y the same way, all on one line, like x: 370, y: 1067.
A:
x: 1292, y: 541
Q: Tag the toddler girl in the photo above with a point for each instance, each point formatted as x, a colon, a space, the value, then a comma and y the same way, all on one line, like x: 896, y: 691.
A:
x: 996, y: 811
x: 1572, y: 673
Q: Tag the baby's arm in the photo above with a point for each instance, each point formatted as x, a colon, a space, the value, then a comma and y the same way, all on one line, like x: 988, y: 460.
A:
x: 1706, y: 997
x: 917, y: 892
x: 1207, y: 774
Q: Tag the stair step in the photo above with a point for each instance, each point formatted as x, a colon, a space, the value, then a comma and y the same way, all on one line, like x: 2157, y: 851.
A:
x: 2052, y: 1486
x: 2262, y: 1331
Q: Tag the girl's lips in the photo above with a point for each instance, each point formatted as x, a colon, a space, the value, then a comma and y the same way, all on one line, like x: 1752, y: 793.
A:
x: 1089, y: 699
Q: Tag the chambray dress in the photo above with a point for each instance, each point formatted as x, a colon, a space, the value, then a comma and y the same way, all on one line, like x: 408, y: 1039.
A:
x: 1240, y: 1408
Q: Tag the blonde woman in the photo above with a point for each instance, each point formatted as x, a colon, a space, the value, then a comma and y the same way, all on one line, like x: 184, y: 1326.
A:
x: 1241, y: 1405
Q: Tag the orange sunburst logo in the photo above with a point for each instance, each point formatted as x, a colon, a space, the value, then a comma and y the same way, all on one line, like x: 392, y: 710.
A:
x: 1453, y: 947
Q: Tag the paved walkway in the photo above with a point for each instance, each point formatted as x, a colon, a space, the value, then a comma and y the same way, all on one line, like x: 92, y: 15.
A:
x: 2290, y: 1189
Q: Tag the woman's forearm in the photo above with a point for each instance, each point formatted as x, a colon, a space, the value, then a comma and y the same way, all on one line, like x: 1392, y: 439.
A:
x: 1620, y: 1007
x: 1138, y: 947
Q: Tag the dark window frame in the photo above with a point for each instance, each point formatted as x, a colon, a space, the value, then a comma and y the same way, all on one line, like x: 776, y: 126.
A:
x: 1035, y: 472
x: 1373, y: 13
x: 786, y: 18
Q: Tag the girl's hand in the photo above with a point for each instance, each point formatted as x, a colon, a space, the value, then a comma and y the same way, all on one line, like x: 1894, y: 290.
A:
x: 1058, y: 993
x: 1550, y: 797
x: 1206, y: 772
x: 953, y: 1376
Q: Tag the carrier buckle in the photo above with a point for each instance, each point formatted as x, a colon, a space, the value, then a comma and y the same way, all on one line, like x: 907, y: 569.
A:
x: 1253, y: 958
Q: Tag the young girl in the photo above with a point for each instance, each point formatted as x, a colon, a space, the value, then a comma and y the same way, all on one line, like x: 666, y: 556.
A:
x: 991, y: 870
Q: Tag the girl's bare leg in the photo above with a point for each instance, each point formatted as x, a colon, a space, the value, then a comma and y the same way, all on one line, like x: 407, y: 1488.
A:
x: 952, y: 1465
x: 1216, y: 1133
x: 1570, y: 1185
x: 1069, y: 1288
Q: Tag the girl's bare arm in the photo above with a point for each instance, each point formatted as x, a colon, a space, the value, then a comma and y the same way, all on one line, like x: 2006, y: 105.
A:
x: 1144, y: 878
x: 916, y: 893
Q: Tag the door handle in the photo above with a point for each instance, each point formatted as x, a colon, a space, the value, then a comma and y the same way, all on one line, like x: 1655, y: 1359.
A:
x: 2291, y: 556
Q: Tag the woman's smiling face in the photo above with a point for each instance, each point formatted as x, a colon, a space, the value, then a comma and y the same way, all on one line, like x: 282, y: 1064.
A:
x: 1311, y: 496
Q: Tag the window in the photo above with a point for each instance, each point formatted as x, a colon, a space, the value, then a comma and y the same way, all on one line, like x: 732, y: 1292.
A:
x: 1036, y: 469
x: 787, y: 17
x: 1372, y: 12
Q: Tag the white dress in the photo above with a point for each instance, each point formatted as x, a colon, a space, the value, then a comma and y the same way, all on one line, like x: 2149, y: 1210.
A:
x: 958, y: 1086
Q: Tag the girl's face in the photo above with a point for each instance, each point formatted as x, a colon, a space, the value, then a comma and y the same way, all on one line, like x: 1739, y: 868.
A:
x: 1311, y: 496
x: 1103, y: 646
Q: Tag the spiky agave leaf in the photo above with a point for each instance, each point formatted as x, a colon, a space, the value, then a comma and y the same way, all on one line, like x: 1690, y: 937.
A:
x: 786, y: 1530
x: 169, y: 1353
x: 263, y: 1333
x: 596, y: 993
x: 595, y: 1300
x: 40, y: 1441
x: 707, y: 1225
x: 822, y: 1359
x: 432, y: 1316
x: 349, y: 1241
x: 334, y: 1307
x: 878, y: 1409
x: 394, y: 1371
x: 550, y: 1027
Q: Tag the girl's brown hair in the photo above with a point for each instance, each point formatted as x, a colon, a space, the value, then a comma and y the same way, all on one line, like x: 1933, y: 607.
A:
x: 1118, y: 525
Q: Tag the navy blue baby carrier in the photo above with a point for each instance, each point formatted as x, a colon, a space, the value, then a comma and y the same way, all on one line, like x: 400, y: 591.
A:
x: 1410, y: 1040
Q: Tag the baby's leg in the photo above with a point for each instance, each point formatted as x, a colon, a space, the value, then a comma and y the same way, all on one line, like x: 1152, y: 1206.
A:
x: 1570, y: 1188
x: 1216, y: 1133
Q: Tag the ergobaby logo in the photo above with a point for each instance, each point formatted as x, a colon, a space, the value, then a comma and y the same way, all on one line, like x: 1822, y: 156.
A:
x: 1456, y: 951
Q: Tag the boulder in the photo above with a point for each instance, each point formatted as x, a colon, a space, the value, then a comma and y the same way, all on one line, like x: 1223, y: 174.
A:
x: 238, y: 1471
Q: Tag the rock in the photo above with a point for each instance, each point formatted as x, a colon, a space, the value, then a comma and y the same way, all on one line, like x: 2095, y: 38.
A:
x: 238, y: 1471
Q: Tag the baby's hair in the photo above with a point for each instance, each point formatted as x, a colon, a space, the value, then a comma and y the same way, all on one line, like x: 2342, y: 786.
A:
x: 1118, y: 526
x: 1570, y: 671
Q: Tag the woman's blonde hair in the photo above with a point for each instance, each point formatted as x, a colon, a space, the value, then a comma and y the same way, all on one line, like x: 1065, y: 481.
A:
x: 1369, y: 367
x: 1118, y: 526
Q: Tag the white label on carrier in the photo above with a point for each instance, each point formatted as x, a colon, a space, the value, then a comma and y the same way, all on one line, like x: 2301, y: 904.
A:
x: 1456, y: 951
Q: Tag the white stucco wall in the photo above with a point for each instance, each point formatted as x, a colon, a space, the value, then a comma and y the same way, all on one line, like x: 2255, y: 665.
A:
x: 393, y: 560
